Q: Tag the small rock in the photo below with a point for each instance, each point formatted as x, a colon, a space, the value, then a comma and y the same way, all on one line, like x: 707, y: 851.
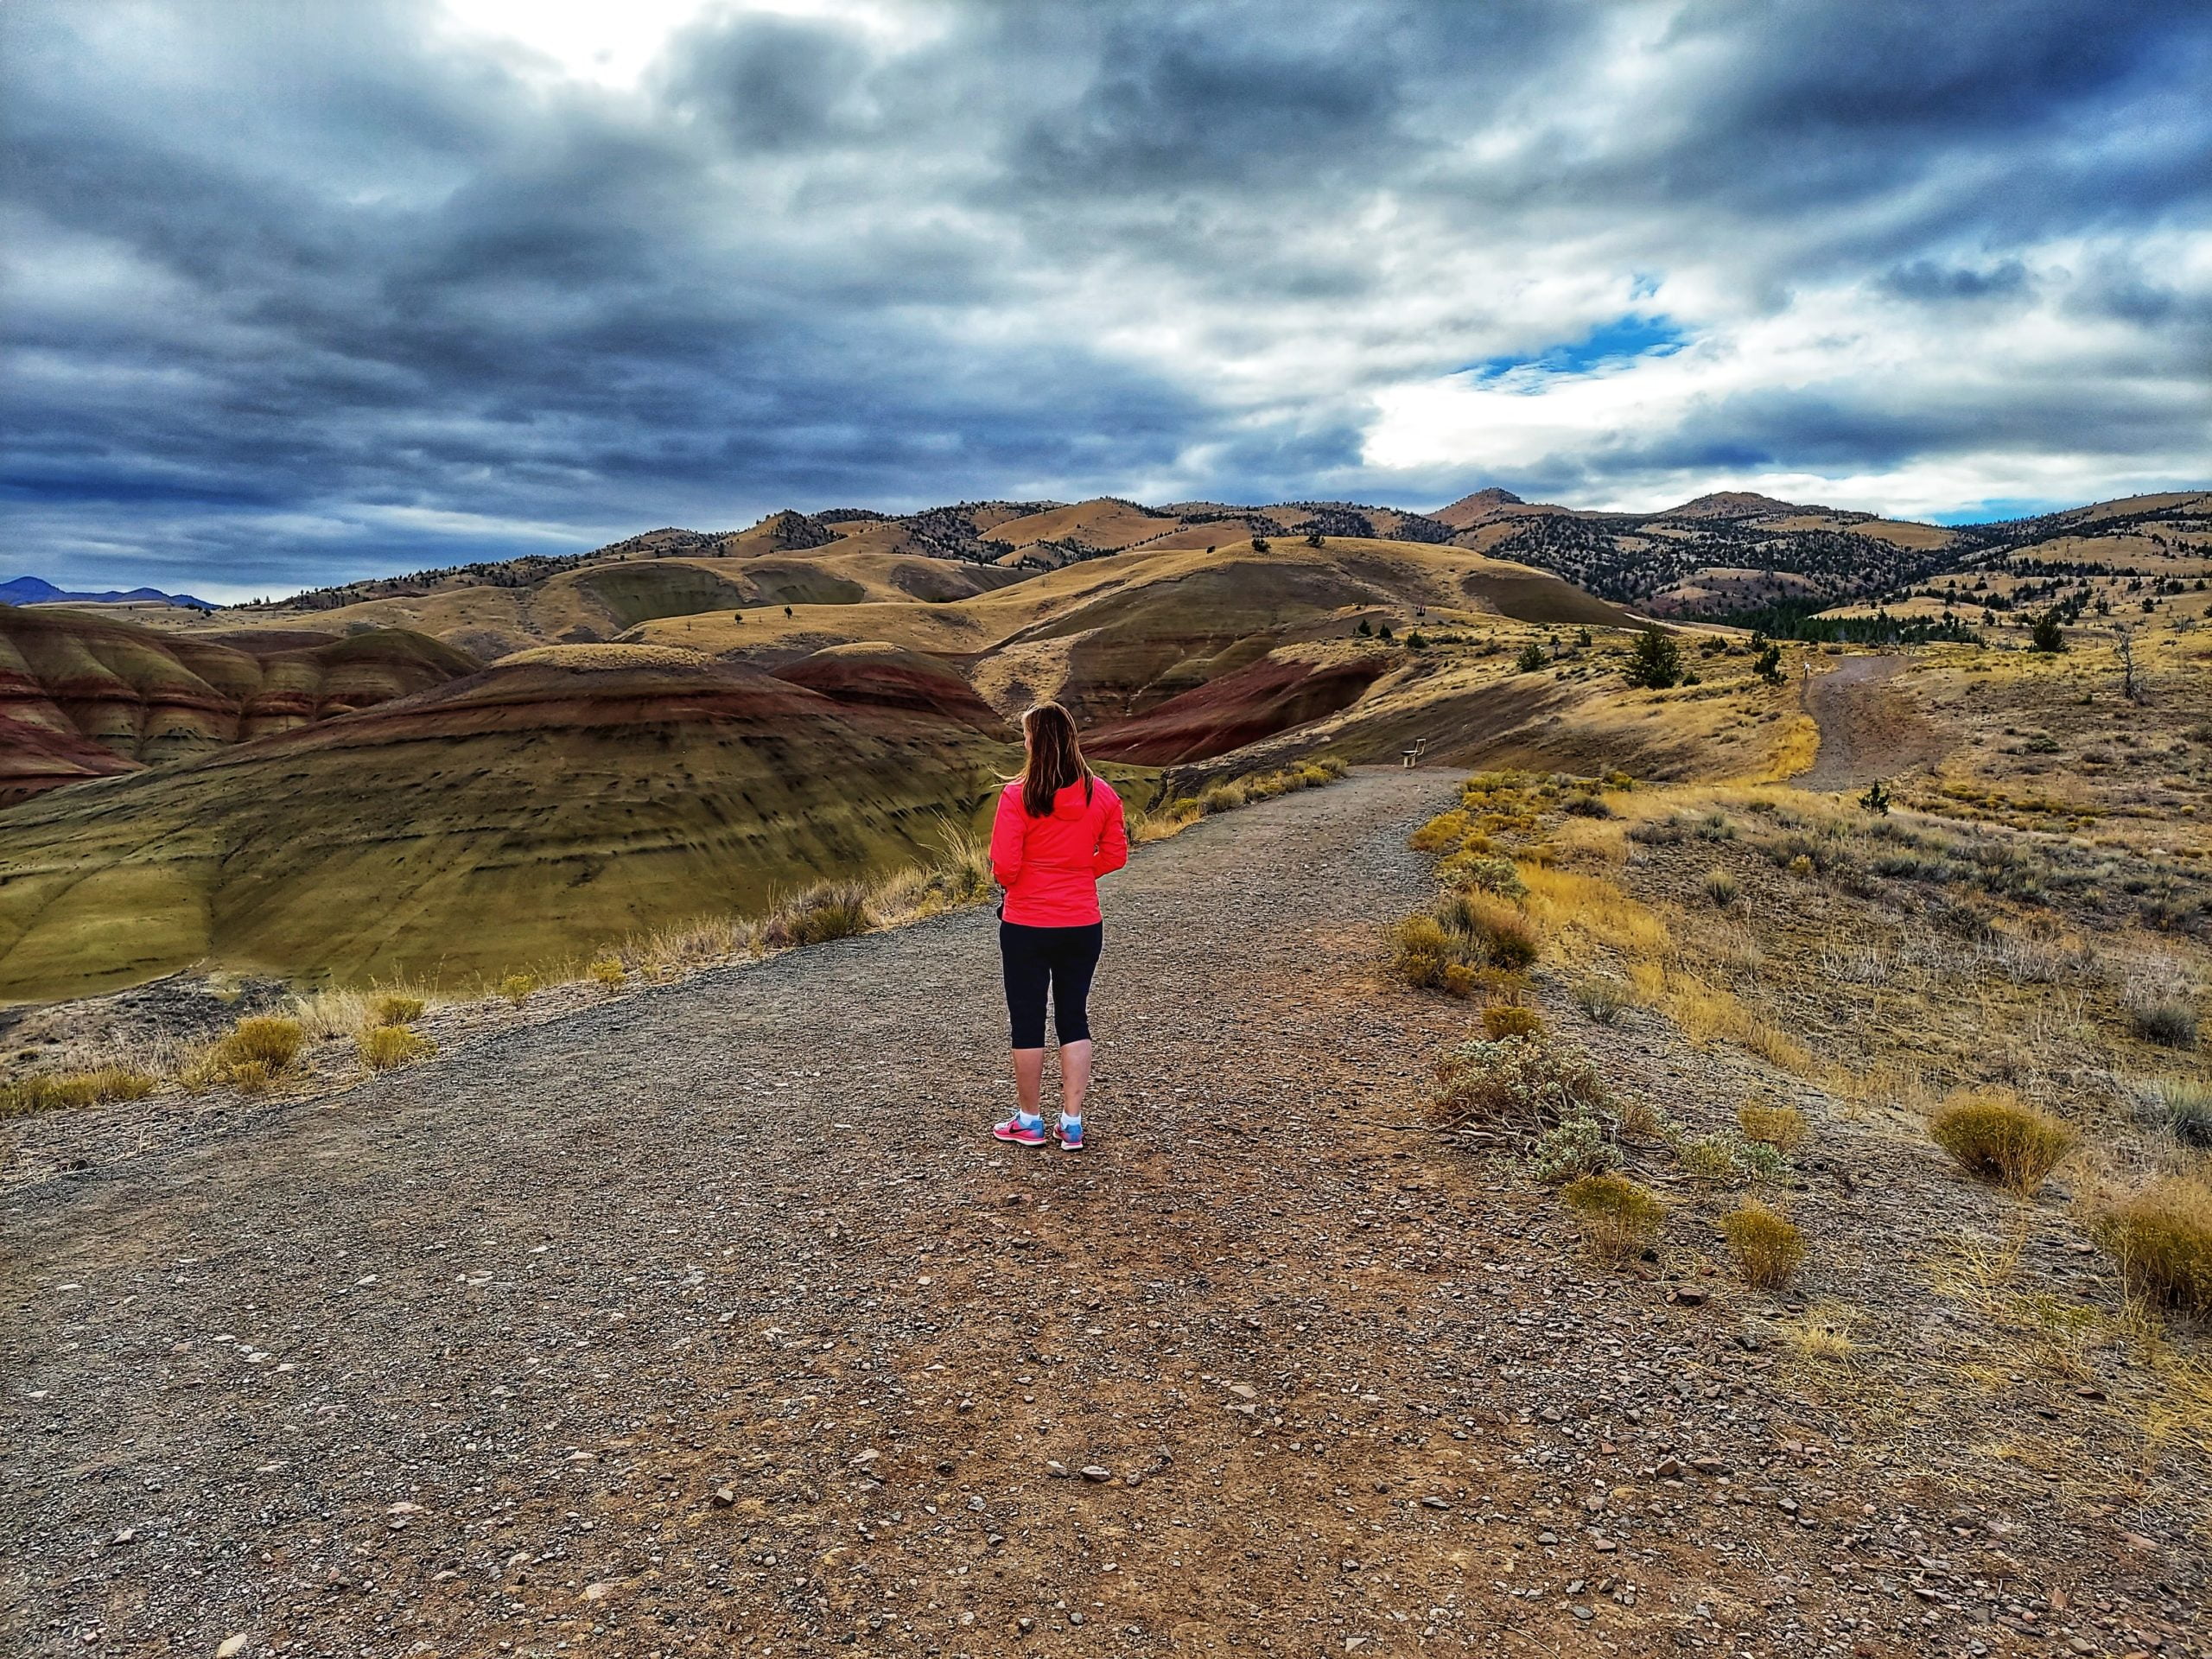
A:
x: 1709, y: 1465
x: 1435, y: 1504
x: 128, y: 1535
x: 1074, y: 1618
x: 1685, y: 1296
x: 1668, y: 1468
x: 1097, y: 1472
x: 725, y: 1497
x: 599, y: 1591
x: 1056, y: 1469
x: 965, y: 1405
x: 1243, y: 1390
x: 866, y: 1458
x: 1025, y: 1624
x: 232, y: 1646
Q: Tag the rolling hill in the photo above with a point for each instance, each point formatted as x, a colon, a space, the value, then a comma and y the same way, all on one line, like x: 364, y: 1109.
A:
x: 564, y: 797
x: 85, y: 694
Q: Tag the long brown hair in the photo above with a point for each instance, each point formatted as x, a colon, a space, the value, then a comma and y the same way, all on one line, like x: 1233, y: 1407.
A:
x: 1055, y: 758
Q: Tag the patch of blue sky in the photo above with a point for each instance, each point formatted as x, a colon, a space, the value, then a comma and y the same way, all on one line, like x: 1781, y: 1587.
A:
x: 1632, y: 335
x: 1998, y: 509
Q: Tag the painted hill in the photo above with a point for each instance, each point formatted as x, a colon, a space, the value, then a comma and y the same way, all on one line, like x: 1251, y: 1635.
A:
x: 560, y: 798
x: 74, y: 684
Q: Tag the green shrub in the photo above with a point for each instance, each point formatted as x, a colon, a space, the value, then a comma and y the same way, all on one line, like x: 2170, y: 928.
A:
x: 1603, y: 998
x: 1620, y: 1218
x: 1587, y: 804
x: 1730, y: 1160
x: 1518, y: 1088
x: 2184, y: 1105
x: 1994, y: 1135
x: 1577, y: 1146
x: 1768, y: 1247
x: 1478, y: 872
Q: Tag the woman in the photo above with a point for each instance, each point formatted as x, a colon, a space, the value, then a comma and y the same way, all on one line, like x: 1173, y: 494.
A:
x: 1058, y: 829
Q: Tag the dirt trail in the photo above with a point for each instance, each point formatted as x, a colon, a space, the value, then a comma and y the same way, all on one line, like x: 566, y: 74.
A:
x: 1867, y: 729
x: 708, y: 1320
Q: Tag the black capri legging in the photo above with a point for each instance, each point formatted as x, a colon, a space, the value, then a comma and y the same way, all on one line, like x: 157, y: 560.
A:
x: 1063, y: 958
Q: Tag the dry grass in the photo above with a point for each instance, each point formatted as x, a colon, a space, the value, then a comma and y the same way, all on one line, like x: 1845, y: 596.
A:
x: 1767, y: 1245
x: 1823, y: 1333
x: 382, y: 1047
x: 1994, y: 1135
x: 517, y: 987
x: 250, y: 1057
x: 2161, y: 1240
x: 1569, y: 902
x: 608, y: 973
x: 1707, y: 1014
x: 55, y: 1091
x: 1620, y: 1218
x: 1782, y: 1128
x: 1721, y: 887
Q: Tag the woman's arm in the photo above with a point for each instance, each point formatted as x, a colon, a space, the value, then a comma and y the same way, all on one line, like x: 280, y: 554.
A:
x: 1007, y: 838
x: 1113, y: 850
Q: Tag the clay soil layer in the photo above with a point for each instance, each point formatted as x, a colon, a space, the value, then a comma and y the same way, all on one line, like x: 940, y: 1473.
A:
x: 712, y: 1321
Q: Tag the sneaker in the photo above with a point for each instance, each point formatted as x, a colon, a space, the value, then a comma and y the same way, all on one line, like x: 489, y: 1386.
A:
x: 1072, y: 1134
x: 1022, y: 1129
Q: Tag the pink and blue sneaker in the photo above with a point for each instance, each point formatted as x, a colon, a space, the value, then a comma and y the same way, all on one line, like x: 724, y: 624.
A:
x: 1070, y: 1132
x: 1023, y: 1128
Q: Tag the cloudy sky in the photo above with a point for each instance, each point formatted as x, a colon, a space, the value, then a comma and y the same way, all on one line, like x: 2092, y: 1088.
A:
x: 302, y: 291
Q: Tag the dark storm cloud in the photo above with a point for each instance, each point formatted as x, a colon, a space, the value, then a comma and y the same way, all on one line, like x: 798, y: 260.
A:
x: 298, y: 292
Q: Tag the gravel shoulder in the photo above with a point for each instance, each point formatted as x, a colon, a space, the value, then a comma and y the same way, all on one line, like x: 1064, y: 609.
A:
x: 709, y: 1318
x: 1867, y: 731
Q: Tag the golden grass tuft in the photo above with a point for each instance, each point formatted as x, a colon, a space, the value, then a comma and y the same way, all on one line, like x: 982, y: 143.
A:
x: 395, y: 1008
x: 267, y: 1039
x: 1767, y: 1245
x: 59, y: 1091
x: 1620, y: 1218
x: 608, y: 973
x: 2161, y: 1240
x: 1994, y: 1135
x: 382, y: 1047
x: 1782, y: 1128
x: 1503, y: 1020
x: 1822, y: 1333
x: 517, y: 987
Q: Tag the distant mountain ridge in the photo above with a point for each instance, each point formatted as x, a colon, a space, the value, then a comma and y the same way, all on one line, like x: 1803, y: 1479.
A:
x: 37, y: 590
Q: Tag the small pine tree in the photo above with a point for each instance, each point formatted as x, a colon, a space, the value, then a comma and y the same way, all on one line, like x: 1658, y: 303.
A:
x: 787, y: 610
x: 1530, y: 659
x: 1875, y: 799
x: 1385, y: 631
x: 1415, y: 642
x: 1658, y: 663
x: 1770, y: 664
x: 1582, y: 637
x: 1366, y: 628
x: 1259, y: 543
x: 1313, y: 540
x: 2047, y: 636
x: 737, y: 616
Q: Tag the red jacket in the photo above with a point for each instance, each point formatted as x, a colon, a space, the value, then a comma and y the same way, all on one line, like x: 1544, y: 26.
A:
x: 1050, y: 867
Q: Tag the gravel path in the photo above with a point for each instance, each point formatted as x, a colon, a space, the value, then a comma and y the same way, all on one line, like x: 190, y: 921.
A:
x: 1867, y: 731
x: 709, y: 1321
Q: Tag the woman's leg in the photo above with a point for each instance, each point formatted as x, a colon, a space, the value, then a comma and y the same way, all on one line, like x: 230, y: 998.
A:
x: 1026, y: 972
x: 1075, y: 960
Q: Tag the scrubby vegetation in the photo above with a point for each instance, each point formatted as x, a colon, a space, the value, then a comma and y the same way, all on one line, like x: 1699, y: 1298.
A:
x: 382, y: 1047
x: 1993, y: 1134
x: 1767, y: 1245
x: 2161, y: 1239
x: 1620, y: 1218
x: 53, y: 1092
